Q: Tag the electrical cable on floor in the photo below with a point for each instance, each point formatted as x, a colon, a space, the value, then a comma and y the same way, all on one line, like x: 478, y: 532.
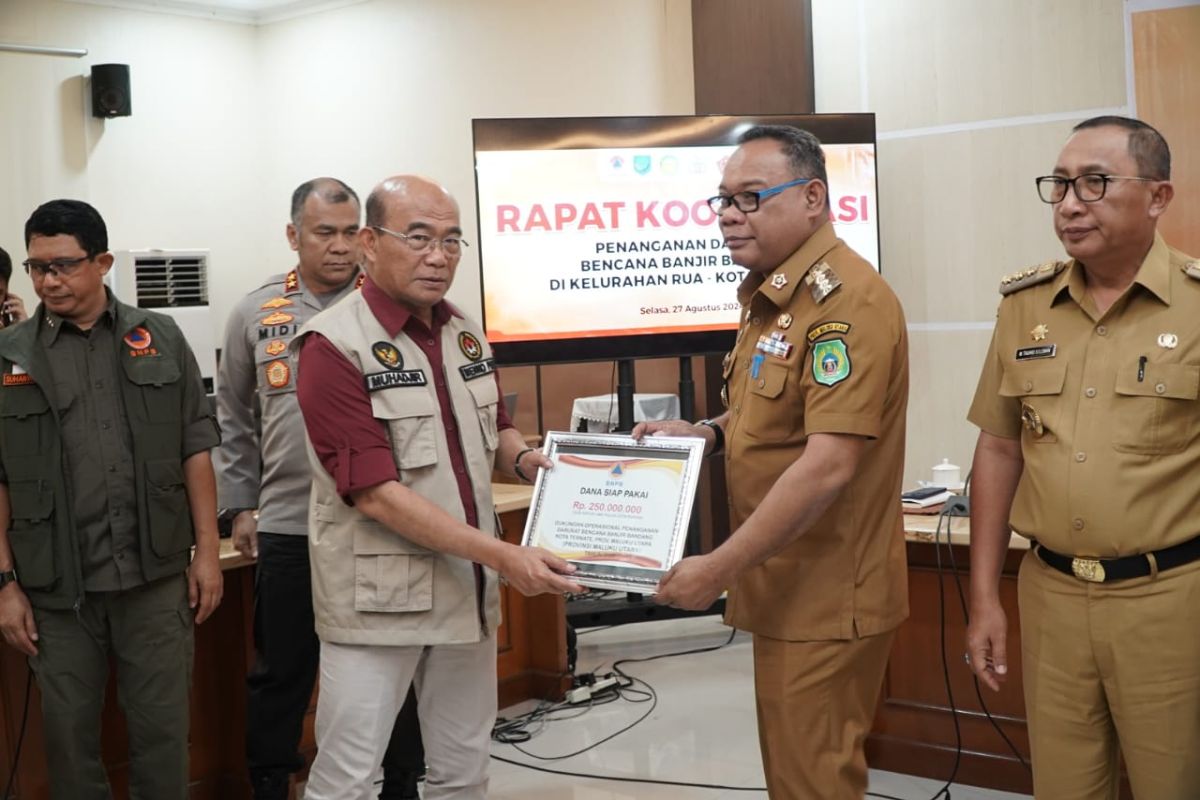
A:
x: 542, y: 715
x: 20, y: 739
x: 962, y: 600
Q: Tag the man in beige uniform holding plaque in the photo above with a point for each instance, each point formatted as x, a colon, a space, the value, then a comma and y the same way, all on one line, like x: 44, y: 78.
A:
x: 814, y: 438
x: 1089, y: 445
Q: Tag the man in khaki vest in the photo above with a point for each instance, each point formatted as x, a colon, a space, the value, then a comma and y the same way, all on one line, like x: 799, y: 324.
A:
x: 1089, y: 445
x: 401, y: 401
x: 263, y: 483
x: 814, y: 440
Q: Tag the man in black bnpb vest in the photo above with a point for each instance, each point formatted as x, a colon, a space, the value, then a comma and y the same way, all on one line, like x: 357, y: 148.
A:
x: 105, y: 486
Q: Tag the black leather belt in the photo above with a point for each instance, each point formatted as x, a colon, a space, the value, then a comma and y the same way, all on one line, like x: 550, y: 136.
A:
x: 1104, y: 570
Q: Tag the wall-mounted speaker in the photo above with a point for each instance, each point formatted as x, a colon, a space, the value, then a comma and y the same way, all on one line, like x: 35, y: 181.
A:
x: 110, y: 91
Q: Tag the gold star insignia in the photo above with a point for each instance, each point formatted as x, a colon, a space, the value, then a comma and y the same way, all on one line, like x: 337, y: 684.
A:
x: 1039, y: 333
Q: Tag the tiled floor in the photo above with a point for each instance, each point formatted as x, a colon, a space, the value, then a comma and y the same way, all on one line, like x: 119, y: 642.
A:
x: 702, y: 730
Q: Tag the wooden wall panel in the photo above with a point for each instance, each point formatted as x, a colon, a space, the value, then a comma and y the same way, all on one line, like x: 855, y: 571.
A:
x: 747, y: 58
x: 1166, y: 67
x: 752, y: 57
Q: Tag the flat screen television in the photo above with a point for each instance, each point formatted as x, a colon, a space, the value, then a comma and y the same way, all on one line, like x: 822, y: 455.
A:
x: 595, y: 240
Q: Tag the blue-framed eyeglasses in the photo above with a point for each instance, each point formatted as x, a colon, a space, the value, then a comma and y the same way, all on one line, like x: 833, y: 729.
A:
x: 747, y: 202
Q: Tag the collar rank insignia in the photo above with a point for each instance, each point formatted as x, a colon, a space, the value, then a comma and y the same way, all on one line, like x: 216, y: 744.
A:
x: 822, y: 281
x: 470, y: 346
x: 292, y: 282
x: 275, y: 347
x: 360, y: 280
x: 276, y: 318
x: 387, y: 354
x: 778, y: 280
x: 275, y: 302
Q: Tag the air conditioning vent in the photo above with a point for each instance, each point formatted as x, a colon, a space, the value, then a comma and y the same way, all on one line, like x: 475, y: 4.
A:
x: 170, y: 281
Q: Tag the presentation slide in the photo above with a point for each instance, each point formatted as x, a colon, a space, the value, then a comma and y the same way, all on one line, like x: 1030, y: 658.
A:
x: 604, y: 242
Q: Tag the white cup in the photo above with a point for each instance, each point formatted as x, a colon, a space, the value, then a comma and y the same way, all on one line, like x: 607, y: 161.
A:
x: 947, y: 475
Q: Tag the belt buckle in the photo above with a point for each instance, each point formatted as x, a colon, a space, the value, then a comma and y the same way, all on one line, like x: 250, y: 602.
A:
x: 1088, y: 569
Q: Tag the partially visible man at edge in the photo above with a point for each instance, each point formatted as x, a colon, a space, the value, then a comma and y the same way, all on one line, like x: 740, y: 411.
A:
x: 817, y: 388
x: 12, y: 307
x: 1089, y: 440
x: 402, y: 405
x: 263, y: 486
x: 105, y: 486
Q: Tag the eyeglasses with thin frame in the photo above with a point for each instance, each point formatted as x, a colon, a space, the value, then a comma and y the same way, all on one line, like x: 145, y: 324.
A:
x: 420, y: 242
x: 59, y: 267
x: 1088, y: 187
x: 748, y: 202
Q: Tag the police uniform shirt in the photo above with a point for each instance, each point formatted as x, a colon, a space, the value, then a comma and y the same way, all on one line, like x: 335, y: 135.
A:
x: 1104, y: 406
x: 822, y: 348
x: 262, y: 462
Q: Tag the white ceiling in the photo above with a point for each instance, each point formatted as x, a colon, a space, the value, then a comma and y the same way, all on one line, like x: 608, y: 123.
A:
x: 252, y: 12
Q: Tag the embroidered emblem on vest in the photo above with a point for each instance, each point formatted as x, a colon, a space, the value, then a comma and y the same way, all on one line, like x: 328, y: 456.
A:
x: 387, y: 354
x: 470, y: 346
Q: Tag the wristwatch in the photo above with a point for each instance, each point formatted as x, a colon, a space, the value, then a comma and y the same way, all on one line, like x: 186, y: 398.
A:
x: 8, y: 577
x: 719, y: 441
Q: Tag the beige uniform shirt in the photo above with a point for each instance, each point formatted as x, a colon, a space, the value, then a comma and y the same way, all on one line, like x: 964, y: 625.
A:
x: 1104, y: 405
x: 834, y: 359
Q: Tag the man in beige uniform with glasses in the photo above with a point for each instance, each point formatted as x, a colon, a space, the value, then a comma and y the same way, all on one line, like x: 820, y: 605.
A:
x: 817, y: 391
x: 1090, y: 446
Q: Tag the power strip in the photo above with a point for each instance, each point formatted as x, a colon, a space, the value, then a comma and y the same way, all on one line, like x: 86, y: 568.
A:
x: 582, y: 694
x: 958, y: 505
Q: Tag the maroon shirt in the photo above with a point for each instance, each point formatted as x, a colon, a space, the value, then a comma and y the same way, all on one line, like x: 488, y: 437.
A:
x: 351, y: 444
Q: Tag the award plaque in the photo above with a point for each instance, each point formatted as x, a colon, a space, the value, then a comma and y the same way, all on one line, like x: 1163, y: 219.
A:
x: 616, y: 508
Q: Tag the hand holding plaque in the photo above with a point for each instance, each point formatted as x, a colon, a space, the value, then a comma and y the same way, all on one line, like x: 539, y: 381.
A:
x: 615, y: 507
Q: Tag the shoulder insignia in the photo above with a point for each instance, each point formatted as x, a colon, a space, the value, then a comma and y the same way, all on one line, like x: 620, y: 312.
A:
x: 1030, y: 277
x: 822, y: 281
x: 292, y: 282
x: 1192, y: 269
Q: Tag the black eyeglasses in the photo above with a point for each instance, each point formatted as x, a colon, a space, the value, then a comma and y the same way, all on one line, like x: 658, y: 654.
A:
x: 747, y: 202
x: 419, y: 242
x: 1088, y: 187
x: 60, y: 267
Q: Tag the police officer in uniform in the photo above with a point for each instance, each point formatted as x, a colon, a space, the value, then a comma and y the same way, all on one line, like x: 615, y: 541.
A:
x: 106, y: 485
x: 264, y: 481
x: 814, y: 447
x: 1089, y: 436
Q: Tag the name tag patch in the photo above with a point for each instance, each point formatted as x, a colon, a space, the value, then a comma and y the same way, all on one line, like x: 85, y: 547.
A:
x: 478, y: 370
x: 393, y: 378
x: 17, y: 379
x: 1041, y: 351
